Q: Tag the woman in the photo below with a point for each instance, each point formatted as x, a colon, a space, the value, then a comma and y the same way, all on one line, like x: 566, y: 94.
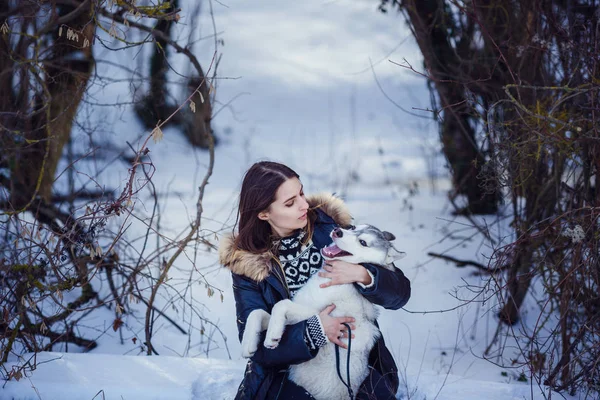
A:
x: 277, y: 248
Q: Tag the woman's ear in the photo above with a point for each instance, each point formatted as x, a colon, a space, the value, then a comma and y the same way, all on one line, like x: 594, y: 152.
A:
x: 264, y: 215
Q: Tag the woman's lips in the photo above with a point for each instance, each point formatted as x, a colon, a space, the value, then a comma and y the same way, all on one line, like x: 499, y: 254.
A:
x: 303, y: 217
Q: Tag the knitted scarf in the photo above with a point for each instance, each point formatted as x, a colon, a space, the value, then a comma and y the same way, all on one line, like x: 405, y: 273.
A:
x: 299, y: 261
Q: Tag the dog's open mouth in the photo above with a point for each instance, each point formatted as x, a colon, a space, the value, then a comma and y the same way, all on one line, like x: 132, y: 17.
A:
x: 332, y: 251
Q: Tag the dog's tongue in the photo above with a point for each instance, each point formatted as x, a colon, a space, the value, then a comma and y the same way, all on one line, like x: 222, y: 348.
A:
x: 331, y: 251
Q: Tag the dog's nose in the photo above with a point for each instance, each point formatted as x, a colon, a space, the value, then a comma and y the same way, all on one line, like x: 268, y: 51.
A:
x: 337, y: 232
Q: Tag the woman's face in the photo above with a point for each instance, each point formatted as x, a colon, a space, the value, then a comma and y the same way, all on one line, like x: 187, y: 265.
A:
x: 288, y: 212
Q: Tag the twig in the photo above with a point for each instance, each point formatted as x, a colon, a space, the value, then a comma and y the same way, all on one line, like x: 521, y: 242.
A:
x: 466, y: 263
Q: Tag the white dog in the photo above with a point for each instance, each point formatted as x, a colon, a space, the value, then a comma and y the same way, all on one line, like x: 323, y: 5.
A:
x: 319, y: 375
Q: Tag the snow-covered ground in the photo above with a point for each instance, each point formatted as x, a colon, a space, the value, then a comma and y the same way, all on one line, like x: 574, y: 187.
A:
x: 306, y: 96
x: 104, y: 376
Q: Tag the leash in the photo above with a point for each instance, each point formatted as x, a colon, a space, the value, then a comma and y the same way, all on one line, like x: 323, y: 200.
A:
x: 282, y: 382
x: 337, y: 363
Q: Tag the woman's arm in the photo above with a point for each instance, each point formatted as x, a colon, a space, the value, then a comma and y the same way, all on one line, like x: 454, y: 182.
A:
x: 292, y: 348
x: 389, y: 289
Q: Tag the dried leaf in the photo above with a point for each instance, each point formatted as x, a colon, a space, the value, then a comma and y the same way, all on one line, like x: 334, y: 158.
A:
x: 119, y: 309
x: 201, y: 97
x: 193, y: 106
x: 157, y: 134
x: 117, y: 323
x: 43, y: 327
x: 17, y: 375
x: 112, y: 32
x: 32, y: 141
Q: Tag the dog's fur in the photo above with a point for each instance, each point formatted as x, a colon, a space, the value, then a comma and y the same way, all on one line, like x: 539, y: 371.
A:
x: 319, y: 375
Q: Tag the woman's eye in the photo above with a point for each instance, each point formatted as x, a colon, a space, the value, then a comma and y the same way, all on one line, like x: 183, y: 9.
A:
x: 289, y: 205
x: 362, y: 243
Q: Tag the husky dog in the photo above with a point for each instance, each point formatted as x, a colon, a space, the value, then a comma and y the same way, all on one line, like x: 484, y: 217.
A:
x: 364, y: 243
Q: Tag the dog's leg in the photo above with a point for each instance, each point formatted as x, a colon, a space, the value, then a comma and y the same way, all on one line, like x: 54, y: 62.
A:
x: 284, y: 313
x: 257, y: 321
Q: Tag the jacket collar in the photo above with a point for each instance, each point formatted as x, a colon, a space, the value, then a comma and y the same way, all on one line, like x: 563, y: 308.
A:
x: 258, y: 266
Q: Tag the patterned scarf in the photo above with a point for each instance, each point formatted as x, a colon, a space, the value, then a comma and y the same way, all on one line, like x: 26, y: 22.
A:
x: 299, y: 261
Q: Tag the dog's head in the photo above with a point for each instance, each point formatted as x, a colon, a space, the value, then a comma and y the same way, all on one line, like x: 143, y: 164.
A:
x: 363, y: 243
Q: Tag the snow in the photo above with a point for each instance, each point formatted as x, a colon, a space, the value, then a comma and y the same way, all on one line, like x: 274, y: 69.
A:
x: 103, y: 376
x: 306, y: 96
x: 107, y: 376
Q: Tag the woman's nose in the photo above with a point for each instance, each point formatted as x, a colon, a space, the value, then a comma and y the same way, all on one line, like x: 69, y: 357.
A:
x: 304, y: 205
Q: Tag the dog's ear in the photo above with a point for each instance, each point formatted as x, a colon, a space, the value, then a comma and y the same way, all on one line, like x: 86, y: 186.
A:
x: 388, y: 236
x: 394, y: 255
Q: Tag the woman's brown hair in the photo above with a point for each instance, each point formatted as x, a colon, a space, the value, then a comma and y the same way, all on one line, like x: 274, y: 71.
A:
x: 258, y: 191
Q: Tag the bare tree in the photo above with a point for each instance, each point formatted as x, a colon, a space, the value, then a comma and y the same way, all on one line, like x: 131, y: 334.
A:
x: 517, y: 81
x: 155, y: 105
x: 54, y: 244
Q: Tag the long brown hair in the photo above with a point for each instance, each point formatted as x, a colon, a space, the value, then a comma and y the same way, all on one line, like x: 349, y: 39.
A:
x: 258, y: 191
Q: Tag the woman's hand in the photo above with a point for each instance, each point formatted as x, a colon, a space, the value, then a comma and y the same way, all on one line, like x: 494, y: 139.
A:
x: 334, y: 330
x: 341, y: 272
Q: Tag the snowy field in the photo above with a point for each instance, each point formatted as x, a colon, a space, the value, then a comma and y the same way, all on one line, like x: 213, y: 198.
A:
x: 304, y: 94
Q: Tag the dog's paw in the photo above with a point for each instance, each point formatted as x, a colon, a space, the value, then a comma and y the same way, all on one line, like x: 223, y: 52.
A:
x: 272, y: 343
x: 247, y: 354
x: 249, y: 346
x: 273, y: 336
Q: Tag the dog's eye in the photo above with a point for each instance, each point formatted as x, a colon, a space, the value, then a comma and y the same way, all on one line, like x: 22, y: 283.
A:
x: 351, y: 227
x: 362, y: 243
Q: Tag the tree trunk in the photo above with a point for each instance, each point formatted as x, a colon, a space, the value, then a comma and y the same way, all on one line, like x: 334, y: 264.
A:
x: 196, y: 124
x: 66, y: 75
x: 518, y: 281
x: 457, y: 135
x: 156, y: 107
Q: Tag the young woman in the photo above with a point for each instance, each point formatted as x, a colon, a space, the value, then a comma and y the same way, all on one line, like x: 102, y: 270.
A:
x: 276, y: 249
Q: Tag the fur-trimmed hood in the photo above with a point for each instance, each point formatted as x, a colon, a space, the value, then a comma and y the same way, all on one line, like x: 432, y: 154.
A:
x: 258, y: 266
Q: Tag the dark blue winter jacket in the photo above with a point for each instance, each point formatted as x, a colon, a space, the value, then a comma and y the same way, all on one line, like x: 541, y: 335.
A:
x: 258, y: 283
